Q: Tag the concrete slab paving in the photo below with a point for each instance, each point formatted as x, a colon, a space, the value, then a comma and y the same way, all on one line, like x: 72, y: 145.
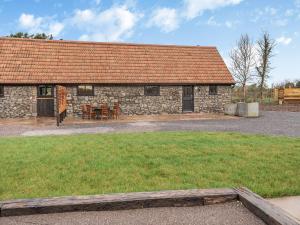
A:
x: 221, y: 214
x: 68, y: 131
x: 289, y: 204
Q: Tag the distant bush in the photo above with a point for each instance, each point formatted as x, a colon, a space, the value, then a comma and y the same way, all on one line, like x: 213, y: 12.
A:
x: 31, y: 36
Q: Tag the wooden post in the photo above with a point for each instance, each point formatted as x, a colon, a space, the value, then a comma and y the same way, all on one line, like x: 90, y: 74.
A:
x: 269, y: 213
x: 61, y: 104
x: 57, y: 106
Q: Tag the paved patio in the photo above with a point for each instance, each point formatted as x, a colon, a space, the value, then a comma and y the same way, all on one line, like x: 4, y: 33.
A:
x: 48, y: 121
x: 270, y: 123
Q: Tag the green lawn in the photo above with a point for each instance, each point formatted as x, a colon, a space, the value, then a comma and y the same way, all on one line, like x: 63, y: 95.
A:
x: 95, y: 164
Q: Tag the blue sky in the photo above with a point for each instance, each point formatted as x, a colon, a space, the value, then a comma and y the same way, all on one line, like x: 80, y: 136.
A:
x: 185, y: 22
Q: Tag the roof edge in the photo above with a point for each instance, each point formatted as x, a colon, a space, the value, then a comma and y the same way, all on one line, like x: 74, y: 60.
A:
x: 103, y: 43
x: 133, y: 84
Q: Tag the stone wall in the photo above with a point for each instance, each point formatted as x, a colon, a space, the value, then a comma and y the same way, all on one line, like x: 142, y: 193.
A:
x: 204, y: 102
x: 131, y: 98
x: 18, y: 102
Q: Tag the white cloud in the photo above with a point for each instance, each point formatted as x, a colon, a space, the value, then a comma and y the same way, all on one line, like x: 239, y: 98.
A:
x: 164, y: 18
x: 113, y: 24
x: 229, y: 24
x: 56, y: 28
x: 264, y: 14
x: 194, y: 8
x: 168, y: 19
x: 297, y: 3
x: 29, y: 21
x: 83, y: 16
x: 284, y: 40
x: 212, y: 22
x: 273, y: 16
x: 33, y: 24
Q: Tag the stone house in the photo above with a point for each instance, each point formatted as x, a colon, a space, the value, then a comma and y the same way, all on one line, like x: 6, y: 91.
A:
x: 144, y: 79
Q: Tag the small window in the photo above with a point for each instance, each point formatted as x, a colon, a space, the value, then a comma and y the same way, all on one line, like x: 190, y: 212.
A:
x: 45, y: 91
x: 1, y: 91
x: 213, y: 90
x: 152, y: 90
x: 85, y: 90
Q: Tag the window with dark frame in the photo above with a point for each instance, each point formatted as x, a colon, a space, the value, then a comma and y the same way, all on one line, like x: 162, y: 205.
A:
x: 85, y: 90
x: 45, y: 91
x: 213, y: 90
x: 1, y: 91
x: 152, y: 90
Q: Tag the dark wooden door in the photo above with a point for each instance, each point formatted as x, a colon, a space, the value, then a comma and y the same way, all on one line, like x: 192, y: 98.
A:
x: 188, y: 98
x: 45, y: 107
x: 45, y: 101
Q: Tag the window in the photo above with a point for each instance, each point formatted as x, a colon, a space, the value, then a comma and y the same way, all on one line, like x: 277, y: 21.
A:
x: 45, y: 91
x: 1, y: 91
x: 152, y: 90
x: 213, y: 90
x: 85, y: 90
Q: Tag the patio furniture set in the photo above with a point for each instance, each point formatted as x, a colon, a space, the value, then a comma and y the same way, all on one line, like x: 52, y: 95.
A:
x: 100, y: 112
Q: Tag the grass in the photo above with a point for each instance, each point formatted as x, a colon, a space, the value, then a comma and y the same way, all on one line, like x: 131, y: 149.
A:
x: 109, y: 163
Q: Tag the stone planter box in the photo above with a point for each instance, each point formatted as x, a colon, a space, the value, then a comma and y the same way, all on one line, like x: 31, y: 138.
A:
x: 231, y: 109
x: 242, y: 109
x: 252, y: 109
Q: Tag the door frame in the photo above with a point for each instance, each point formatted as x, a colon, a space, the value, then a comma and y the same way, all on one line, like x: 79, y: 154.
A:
x: 193, y: 99
x: 48, y: 97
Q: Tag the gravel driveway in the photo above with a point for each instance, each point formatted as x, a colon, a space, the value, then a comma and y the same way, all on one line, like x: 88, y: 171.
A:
x: 270, y: 123
x: 222, y: 214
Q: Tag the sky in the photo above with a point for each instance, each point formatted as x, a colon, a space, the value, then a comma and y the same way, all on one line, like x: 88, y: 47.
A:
x: 182, y: 22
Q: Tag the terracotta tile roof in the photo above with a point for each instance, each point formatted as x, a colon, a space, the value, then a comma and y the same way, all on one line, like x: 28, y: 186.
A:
x: 24, y: 61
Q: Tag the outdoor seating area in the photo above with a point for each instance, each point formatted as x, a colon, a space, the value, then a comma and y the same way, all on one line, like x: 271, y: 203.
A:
x: 100, y: 111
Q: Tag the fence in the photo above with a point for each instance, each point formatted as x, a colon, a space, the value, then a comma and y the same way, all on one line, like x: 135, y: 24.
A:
x: 282, y: 108
x: 287, y: 95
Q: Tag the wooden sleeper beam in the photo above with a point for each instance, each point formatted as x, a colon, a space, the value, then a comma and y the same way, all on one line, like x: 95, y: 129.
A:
x: 118, y: 201
x: 269, y: 213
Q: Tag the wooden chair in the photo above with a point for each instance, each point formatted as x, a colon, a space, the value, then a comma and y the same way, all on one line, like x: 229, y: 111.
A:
x: 92, y: 114
x: 84, y: 112
x: 104, y: 111
x: 116, y: 111
x: 87, y: 112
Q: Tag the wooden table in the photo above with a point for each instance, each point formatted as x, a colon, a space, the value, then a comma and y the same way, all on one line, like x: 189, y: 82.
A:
x: 97, y: 111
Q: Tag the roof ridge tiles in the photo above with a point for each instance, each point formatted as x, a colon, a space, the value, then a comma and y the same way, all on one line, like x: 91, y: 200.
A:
x: 104, y: 43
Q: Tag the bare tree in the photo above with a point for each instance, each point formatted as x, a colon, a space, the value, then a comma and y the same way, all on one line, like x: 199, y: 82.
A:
x: 265, y: 49
x: 242, y: 62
